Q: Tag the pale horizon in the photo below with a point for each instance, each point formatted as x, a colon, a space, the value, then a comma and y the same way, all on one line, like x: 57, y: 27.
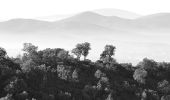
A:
x: 133, y: 42
x: 39, y: 8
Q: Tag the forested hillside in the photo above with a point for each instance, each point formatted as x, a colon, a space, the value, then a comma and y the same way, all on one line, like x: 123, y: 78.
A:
x: 56, y: 74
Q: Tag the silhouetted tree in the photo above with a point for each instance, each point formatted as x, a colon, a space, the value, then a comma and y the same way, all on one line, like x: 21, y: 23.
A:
x: 85, y: 49
x: 29, y: 48
x: 2, y: 52
x: 77, y: 52
x: 53, y: 74
x: 148, y: 64
x: 81, y: 49
x: 108, y: 52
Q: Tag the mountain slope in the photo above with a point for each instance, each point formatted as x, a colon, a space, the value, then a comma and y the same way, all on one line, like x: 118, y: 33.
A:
x: 25, y: 25
x: 117, y: 13
x: 155, y: 21
x: 91, y: 21
x: 147, y: 36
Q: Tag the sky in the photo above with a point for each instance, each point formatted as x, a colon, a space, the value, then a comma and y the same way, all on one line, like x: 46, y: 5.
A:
x: 36, y: 8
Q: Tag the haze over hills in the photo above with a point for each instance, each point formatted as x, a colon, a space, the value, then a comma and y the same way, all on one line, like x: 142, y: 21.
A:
x: 104, y: 12
x: 118, y: 13
x: 150, y: 22
x: 135, y: 38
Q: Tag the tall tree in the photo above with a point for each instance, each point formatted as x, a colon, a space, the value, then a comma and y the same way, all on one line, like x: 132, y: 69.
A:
x: 110, y: 50
x: 30, y: 57
x: 77, y: 52
x: 30, y: 51
x: 85, y: 49
x: 81, y: 49
x: 107, y: 54
x: 29, y: 47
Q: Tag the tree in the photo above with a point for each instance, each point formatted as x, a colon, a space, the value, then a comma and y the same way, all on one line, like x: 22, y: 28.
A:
x: 7, y: 97
x: 81, y: 49
x: 77, y: 52
x: 110, y: 97
x: 16, y: 86
x: 29, y: 48
x: 140, y: 75
x: 167, y: 97
x: 108, y: 52
x: 63, y: 54
x: 98, y: 74
x: 64, y: 72
x: 148, y: 64
x: 75, y: 75
x: 164, y: 87
x: 85, y: 49
x: 2, y: 52
x: 30, y: 52
x: 51, y: 57
x: 28, y: 65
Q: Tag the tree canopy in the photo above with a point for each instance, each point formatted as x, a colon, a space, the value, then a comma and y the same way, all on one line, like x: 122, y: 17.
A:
x: 54, y: 74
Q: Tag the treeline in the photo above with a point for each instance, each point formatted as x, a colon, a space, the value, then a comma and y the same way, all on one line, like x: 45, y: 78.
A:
x: 55, y: 74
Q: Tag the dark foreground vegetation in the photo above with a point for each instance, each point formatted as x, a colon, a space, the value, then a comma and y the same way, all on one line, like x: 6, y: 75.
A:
x: 55, y: 74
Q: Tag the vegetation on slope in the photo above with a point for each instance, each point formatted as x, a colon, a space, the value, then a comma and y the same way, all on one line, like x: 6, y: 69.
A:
x: 55, y: 74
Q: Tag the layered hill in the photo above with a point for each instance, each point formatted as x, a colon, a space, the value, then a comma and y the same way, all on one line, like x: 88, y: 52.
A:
x: 135, y: 39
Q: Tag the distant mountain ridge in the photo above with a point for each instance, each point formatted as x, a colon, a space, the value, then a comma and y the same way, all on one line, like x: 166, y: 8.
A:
x: 85, y: 19
x: 117, y: 12
x: 105, y: 12
x: 144, y: 36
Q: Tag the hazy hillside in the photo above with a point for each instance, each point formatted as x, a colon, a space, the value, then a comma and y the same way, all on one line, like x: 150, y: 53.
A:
x: 104, y: 12
x: 90, y: 19
x: 135, y: 39
x: 24, y: 25
x: 118, y: 13
x: 160, y: 21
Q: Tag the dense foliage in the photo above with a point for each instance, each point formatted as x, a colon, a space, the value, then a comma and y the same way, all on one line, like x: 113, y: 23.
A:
x: 54, y: 74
